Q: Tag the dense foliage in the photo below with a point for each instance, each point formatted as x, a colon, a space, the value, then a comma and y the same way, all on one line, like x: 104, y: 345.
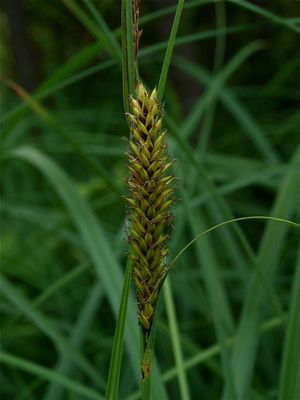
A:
x: 231, y: 108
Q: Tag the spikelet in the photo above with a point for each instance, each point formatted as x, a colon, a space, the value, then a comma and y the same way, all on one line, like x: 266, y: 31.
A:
x: 150, y: 200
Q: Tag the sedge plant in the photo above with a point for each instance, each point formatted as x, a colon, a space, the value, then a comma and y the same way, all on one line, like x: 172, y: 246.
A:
x: 149, y: 206
x: 151, y: 194
x: 149, y: 203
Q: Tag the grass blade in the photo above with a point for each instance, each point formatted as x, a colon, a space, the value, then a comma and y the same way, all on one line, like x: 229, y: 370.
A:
x: 60, y: 79
x: 266, y: 14
x: 235, y: 107
x: 51, y: 121
x: 219, y: 207
x: 110, y: 37
x: 127, y: 51
x: 175, y: 337
x: 217, y: 296
x: 244, y: 350
x: 218, y: 82
x: 289, y: 385
x: 275, y: 219
x: 102, y: 35
x: 117, y: 350
x: 169, y: 52
x: 194, y: 37
x: 214, y: 350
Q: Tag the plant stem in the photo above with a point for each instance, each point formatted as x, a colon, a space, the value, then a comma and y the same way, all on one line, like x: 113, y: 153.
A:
x: 146, y: 388
x: 147, y: 355
x: 146, y: 366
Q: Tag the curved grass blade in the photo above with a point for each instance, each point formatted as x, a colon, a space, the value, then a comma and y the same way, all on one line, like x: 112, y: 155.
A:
x: 275, y: 219
x: 218, y: 207
x: 217, y: 296
x: 244, y: 350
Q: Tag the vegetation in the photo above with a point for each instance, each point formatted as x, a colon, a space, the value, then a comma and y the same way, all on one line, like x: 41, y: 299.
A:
x: 227, y: 319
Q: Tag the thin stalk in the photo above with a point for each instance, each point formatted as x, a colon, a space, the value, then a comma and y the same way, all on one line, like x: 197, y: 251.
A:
x: 147, y: 356
x: 145, y: 382
x: 275, y: 219
x: 127, y: 51
x: 117, y: 351
x: 175, y: 338
x: 169, y: 52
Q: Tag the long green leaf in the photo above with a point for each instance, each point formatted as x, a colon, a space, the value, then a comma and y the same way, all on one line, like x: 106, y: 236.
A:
x: 289, y: 384
x: 216, y: 86
x: 61, y: 131
x: 244, y: 350
x: 175, y: 337
x: 117, y: 350
x: 235, y: 107
x: 127, y: 51
x: 103, y: 34
x: 110, y: 38
x: 169, y: 52
x: 266, y: 14
x: 218, y: 299
x: 60, y: 79
x: 275, y: 219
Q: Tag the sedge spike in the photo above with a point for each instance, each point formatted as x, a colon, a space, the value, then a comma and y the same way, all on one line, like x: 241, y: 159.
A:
x: 150, y: 200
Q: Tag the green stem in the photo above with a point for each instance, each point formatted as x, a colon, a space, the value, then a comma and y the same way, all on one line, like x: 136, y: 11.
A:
x: 146, y: 366
x: 147, y: 356
x: 146, y: 388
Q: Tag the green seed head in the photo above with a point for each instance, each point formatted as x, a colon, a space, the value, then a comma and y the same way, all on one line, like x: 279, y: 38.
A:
x: 149, y: 202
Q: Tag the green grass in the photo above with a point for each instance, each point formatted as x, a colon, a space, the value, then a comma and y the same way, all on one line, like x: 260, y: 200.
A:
x: 228, y: 321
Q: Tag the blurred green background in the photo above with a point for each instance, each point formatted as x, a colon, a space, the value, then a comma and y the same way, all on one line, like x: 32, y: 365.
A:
x: 232, y: 111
